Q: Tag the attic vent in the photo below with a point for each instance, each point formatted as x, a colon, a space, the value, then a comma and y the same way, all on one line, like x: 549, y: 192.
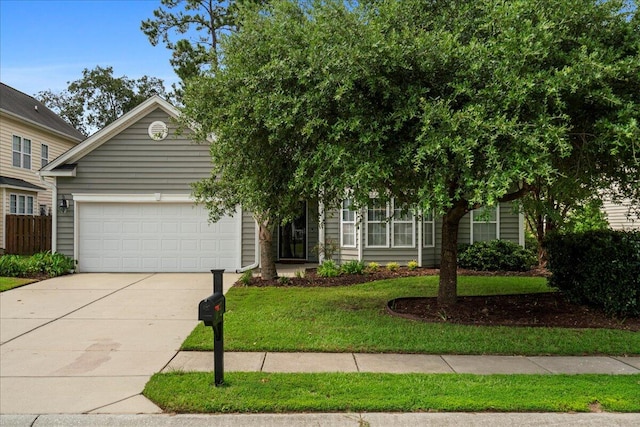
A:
x: 158, y: 130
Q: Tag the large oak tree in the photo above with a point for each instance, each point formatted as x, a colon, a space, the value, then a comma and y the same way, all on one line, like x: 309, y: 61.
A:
x: 443, y: 105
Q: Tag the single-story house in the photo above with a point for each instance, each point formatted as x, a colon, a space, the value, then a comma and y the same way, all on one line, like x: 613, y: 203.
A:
x: 124, y: 205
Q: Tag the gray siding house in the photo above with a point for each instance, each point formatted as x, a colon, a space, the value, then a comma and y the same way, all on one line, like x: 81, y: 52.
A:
x: 124, y: 205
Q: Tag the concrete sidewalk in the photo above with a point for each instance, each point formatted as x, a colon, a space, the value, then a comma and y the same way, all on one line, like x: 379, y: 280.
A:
x: 328, y: 420
x: 404, y: 363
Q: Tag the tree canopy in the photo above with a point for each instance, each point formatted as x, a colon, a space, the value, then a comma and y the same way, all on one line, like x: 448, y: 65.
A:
x: 441, y: 105
x: 98, y: 98
x: 191, y: 29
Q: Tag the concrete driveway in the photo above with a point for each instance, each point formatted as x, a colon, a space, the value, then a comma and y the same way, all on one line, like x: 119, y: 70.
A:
x: 88, y: 343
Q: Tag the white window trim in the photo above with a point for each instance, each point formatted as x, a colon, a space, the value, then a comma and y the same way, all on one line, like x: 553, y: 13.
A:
x: 22, y: 153
x: 425, y: 224
x: 26, y: 198
x: 366, y: 231
x: 411, y: 221
x: 496, y: 222
x: 42, y: 157
x: 343, y: 222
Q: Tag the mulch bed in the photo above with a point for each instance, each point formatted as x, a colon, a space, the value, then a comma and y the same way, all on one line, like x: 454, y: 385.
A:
x: 311, y: 279
x: 550, y: 309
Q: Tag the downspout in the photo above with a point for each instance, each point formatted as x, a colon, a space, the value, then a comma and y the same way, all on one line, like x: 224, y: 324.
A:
x: 521, y: 239
x: 360, y: 238
x: 3, y: 244
x: 256, y: 264
x: 321, y: 232
x: 420, y: 222
x: 54, y: 210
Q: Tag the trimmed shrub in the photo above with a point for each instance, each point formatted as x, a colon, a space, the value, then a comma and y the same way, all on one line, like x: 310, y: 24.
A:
x: 372, y: 267
x: 353, y: 267
x: 393, y: 266
x: 328, y: 269
x: 597, y: 268
x: 412, y: 265
x: 495, y: 255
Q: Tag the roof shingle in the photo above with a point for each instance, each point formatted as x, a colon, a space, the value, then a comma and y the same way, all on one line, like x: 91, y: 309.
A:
x: 29, y: 108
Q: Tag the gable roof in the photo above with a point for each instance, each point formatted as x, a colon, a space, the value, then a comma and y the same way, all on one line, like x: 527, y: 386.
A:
x: 27, y: 108
x: 63, y: 164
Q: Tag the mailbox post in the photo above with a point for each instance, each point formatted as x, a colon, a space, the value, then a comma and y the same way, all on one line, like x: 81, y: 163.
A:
x: 211, y: 312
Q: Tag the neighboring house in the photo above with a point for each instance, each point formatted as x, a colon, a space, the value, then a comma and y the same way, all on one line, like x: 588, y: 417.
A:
x: 129, y: 209
x: 621, y: 216
x: 31, y: 135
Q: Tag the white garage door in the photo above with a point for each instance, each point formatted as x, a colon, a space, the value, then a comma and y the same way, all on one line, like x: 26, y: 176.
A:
x: 154, y: 237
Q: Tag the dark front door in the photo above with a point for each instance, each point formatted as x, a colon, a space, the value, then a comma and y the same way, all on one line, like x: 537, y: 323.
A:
x: 292, y: 237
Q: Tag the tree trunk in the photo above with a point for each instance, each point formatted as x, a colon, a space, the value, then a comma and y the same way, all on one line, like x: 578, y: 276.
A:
x: 448, y: 288
x: 267, y: 258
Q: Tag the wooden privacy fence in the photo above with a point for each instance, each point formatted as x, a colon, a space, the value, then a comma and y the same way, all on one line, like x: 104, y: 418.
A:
x: 27, y: 235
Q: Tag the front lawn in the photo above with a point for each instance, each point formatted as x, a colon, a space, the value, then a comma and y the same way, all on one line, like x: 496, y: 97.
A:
x: 7, y: 283
x: 353, y: 319
x: 360, y: 392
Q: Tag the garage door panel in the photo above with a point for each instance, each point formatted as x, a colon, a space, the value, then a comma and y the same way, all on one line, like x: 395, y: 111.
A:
x: 111, y: 245
x: 120, y: 237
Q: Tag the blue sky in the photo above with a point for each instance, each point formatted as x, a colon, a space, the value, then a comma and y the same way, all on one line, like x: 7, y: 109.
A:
x: 44, y: 44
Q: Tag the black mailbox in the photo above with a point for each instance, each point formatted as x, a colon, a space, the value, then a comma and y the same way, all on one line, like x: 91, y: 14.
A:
x: 211, y: 312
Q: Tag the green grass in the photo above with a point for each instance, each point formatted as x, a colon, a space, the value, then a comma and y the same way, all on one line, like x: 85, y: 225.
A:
x: 353, y: 319
x: 272, y: 393
x: 7, y: 283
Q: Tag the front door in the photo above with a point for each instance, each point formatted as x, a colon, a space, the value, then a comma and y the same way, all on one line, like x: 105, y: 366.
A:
x: 292, y: 237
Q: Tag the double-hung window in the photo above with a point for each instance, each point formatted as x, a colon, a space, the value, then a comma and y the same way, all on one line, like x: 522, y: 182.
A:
x: 428, y: 230
x: 402, y: 224
x: 485, y: 224
x: 377, y: 225
x: 20, y: 204
x: 347, y: 225
x: 21, y: 152
x: 44, y: 155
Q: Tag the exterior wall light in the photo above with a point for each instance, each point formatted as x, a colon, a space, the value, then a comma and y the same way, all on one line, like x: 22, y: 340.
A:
x: 63, y: 205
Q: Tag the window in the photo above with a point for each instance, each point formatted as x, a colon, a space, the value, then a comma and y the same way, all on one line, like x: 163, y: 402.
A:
x: 347, y: 225
x: 20, y: 204
x: 428, y: 230
x: 377, y: 225
x: 485, y: 224
x: 402, y: 225
x: 44, y: 155
x: 21, y: 152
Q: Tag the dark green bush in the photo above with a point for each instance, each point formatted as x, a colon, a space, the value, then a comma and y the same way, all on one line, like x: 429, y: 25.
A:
x: 598, y: 268
x: 45, y: 263
x: 495, y: 255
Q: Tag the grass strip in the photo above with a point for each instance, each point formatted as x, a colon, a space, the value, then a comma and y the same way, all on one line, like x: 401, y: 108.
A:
x: 249, y: 392
x: 7, y: 283
x: 353, y: 319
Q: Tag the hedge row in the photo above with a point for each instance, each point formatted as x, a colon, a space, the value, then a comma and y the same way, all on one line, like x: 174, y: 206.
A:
x: 598, y: 268
x: 495, y: 255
